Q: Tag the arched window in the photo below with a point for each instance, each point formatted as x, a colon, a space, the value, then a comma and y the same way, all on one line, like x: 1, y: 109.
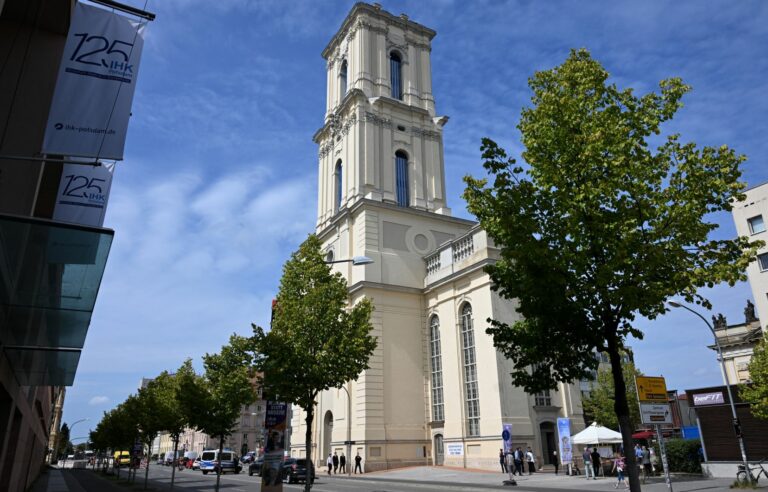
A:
x: 401, y: 178
x: 337, y: 175
x: 395, y: 75
x: 470, y: 371
x: 437, y: 369
x: 343, y: 78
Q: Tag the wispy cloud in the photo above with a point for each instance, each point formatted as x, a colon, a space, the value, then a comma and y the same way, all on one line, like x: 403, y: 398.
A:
x: 98, y: 401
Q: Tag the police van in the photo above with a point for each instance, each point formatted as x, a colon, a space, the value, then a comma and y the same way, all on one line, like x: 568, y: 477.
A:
x: 209, y: 461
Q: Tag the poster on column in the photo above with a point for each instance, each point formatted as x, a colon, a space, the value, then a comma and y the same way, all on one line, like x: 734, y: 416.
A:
x: 83, y: 194
x: 275, y: 426
x: 564, y: 440
x: 94, y: 89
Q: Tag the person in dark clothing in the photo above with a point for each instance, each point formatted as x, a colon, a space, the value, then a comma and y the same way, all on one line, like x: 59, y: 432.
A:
x: 342, y: 463
x: 596, y: 462
x: 518, y: 457
x: 502, y: 461
x: 555, y: 461
x: 335, y: 463
x: 358, y: 459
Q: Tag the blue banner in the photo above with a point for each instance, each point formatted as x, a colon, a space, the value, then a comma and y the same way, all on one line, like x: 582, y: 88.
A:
x: 564, y: 442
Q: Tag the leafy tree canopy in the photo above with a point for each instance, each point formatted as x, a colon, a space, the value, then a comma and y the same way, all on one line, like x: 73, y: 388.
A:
x: 599, y: 404
x: 757, y: 392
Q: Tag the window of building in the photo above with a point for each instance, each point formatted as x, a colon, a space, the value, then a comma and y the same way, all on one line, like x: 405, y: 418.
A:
x: 437, y: 369
x: 337, y: 175
x: 756, y: 224
x: 543, y: 399
x: 343, y: 78
x: 395, y: 75
x: 401, y: 178
x: 470, y: 372
x: 762, y: 262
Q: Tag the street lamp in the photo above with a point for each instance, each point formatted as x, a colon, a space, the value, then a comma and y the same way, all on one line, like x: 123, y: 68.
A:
x: 70, y: 433
x: 355, y: 260
x: 736, y: 425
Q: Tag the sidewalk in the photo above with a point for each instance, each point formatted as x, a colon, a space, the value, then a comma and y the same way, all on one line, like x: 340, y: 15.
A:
x: 78, y: 480
x: 538, y: 481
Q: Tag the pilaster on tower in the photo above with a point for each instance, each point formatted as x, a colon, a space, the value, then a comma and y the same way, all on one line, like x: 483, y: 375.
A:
x: 381, y: 139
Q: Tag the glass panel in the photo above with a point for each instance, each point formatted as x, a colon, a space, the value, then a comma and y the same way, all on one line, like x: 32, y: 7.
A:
x: 470, y: 372
x: 395, y: 76
x: 401, y: 179
x: 762, y: 261
x: 437, y: 370
x: 43, y: 367
x: 343, y: 77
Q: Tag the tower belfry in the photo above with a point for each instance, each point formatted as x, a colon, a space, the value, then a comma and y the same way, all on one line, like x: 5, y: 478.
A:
x: 435, y: 378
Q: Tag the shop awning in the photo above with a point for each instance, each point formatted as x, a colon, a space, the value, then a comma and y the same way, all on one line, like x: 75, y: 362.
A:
x: 50, y: 274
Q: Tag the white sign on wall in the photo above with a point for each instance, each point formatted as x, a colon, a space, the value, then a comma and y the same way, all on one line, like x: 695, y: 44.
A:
x: 455, y: 449
x: 83, y: 194
x: 655, y: 413
x: 94, y: 89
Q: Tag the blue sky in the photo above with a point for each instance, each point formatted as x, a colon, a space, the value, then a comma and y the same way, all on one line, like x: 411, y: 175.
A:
x: 218, y: 184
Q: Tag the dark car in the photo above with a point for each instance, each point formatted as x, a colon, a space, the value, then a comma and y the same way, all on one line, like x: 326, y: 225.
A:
x: 255, y: 466
x: 295, y: 470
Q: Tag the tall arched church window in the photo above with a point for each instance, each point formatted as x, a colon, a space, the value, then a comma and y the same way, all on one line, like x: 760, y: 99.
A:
x: 395, y: 75
x: 343, y: 78
x: 401, y: 178
x: 437, y: 369
x: 470, y: 372
x: 337, y: 175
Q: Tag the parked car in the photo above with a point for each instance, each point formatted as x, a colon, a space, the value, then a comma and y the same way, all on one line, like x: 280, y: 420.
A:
x: 122, y: 458
x: 255, y: 467
x: 209, y: 461
x: 160, y: 459
x: 295, y: 470
x: 248, y: 457
x: 196, y: 464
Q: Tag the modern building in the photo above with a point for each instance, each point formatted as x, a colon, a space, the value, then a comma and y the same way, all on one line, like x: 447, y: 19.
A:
x: 437, y: 391
x: 50, y: 270
x: 751, y: 217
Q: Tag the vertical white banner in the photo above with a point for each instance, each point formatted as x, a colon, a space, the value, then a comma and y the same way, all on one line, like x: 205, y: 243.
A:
x: 506, y: 436
x: 564, y: 441
x: 83, y: 194
x: 94, y: 89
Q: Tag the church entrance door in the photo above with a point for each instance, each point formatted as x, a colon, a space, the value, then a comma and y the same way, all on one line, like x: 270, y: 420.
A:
x: 439, y: 454
x: 548, y: 442
x: 327, y: 435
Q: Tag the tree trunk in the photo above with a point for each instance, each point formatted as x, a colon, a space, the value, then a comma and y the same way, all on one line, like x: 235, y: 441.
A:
x: 622, y: 413
x: 173, y: 462
x: 218, y: 466
x: 308, y: 448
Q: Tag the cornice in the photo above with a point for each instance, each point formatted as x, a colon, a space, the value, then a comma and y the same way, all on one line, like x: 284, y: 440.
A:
x: 350, y: 25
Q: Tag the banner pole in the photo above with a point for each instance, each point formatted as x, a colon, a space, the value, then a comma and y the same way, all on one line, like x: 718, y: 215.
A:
x: 664, y: 462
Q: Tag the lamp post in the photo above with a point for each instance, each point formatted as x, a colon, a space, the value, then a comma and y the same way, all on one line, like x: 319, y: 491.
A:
x: 736, y: 426
x: 355, y: 260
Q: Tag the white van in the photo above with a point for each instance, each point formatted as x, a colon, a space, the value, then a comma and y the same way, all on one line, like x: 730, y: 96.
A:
x: 210, y: 458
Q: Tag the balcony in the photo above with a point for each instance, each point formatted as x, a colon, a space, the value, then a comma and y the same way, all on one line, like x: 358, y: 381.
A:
x: 454, y: 256
x: 50, y: 274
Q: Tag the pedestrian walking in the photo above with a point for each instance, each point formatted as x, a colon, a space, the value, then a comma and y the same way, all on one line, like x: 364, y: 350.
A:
x: 618, y: 467
x: 329, y: 462
x: 335, y: 461
x: 502, y: 461
x: 342, y: 463
x: 518, y: 457
x: 597, y: 462
x: 358, y: 459
x: 647, y: 470
x: 531, y: 461
x: 588, y: 469
x: 556, y: 461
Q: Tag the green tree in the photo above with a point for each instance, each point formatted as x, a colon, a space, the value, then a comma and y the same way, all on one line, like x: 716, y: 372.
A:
x: 316, y: 341
x: 62, y: 441
x: 756, y: 393
x: 599, y: 404
x: 168, y: 400
x: 599, y: 228
x: 216, y: 399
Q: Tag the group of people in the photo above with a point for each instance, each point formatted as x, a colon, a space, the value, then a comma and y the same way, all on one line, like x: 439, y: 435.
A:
x: 338, y: 464
x: 643, y: 457
x: 512, y: 462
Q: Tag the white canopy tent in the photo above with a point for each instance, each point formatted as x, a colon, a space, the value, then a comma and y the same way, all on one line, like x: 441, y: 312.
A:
x: 596, y: 434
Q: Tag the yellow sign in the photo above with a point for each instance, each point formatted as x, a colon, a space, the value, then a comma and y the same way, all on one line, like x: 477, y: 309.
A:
x: 651, y: 389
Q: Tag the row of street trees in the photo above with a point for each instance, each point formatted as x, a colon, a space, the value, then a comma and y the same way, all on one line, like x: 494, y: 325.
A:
x: 210, y: 402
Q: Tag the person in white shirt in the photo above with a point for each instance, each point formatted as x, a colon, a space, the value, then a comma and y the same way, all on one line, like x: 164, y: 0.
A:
x: 531, y: 462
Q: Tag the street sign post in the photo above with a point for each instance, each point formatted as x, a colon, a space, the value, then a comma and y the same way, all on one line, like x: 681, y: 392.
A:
x: 655, y: 409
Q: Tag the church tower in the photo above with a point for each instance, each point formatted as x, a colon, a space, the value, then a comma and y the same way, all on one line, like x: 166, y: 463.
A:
x: 435, y: 378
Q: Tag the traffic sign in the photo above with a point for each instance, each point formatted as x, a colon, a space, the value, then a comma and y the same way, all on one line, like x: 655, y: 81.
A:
x: 349, y: 443
x: 651, y: 389
x: 655, y: 413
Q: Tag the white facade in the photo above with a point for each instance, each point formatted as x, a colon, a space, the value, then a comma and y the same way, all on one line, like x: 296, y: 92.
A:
x: 382, y: 195
x: 751, y: 219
